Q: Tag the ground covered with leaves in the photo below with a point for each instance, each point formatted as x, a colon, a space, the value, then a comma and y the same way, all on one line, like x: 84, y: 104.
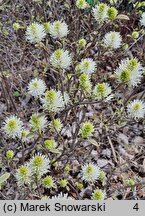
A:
x: 72, y: 90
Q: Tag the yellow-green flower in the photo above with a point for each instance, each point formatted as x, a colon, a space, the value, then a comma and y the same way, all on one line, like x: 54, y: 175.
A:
x: 135, y: 35
x: 16, y: 26
x: 67, y: 169
x: 82, y: 43
x: 86, y: 130
x: 102, y: 176
x: 48, y: 182
x: 9, y: 154
x: 98, y: 195
x: 50, y: 144
x: 63, y: 183
x: 55, y: 125
x: 85, y: 83
x: 112, y: 13
x: 47, y: 26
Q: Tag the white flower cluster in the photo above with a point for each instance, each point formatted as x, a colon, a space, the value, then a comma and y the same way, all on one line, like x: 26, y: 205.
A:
x: 36, y: 87
x: 58, y: 29
x: 100, y: 12
x: 39, y: 165
x: 52, y: 100
x: 36, y: 167
x: 136, y: 109
x: 13, y: 126
x: 130, y: 71
x: 35, y: 33
x: 112, y: 40
x: 102, y: 91
x: 82, y: 4
x: 55, y: 101
x: 61, y: 59
x: 90, y: 172
x: 87, y: 66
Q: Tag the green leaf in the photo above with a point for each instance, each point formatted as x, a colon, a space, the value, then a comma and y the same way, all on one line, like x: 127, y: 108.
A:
x: 4, y: 177
x: 92, y: 2
x: 16, y: 94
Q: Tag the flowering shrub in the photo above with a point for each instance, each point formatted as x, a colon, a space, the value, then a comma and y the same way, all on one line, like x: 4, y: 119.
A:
x: 72, y: 100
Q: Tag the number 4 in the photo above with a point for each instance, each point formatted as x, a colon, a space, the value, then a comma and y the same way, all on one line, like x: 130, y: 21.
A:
x: 136, y: 207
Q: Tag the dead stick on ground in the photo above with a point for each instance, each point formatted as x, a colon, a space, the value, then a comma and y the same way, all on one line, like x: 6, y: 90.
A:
x: 112, y: 148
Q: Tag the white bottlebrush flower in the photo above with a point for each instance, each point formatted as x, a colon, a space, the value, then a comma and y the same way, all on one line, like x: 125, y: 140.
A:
x: 13, y: 126
x: 102, y: 91
x: 23, y: 175
x: 61, y: 59
x: 136, y: 109
x: 35, y: 33
x: 129, y: 71
x: 87, y: 66
x: 54, y: 101
x: 98, y: 195
x: 142, y: 19
x: 39, y: 165
x: 61, y: 196
x: 90, y: 172
x: 38, y: 122
x: 58, y: 29
x: 112, y: 40
x: 100, y: 12
x: 36, y: 87
x: 82, y: 4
